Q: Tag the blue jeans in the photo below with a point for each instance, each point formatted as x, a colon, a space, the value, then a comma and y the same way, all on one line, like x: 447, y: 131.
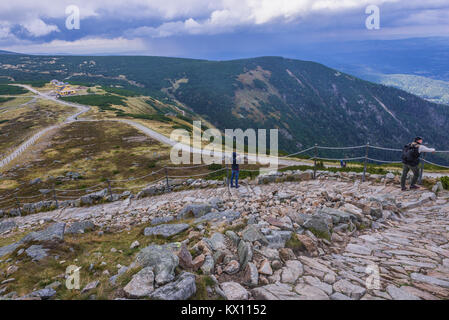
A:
x: 235, y: 174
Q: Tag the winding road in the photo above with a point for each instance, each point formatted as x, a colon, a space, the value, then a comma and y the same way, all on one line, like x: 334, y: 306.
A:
x: 147, y: 131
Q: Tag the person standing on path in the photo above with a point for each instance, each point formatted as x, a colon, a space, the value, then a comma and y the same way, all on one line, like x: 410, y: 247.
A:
x: 411, y: 158
x: 235, y: 170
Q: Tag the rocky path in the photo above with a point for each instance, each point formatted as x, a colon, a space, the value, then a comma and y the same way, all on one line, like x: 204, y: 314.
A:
x: 410, y: 257
x: 358, y: 240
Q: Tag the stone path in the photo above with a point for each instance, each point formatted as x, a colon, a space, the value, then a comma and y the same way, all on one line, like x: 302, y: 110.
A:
x: 409, y: 260
x: 404, y: 256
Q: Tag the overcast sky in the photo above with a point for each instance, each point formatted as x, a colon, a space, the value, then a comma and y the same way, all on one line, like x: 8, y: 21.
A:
x: 215, y: 29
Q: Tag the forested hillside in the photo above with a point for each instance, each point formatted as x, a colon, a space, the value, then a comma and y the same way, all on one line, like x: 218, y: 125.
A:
x: 308, y: 102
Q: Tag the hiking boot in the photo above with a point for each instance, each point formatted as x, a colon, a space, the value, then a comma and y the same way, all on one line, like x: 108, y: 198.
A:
x: 414, y: 187
x: 404, y: 189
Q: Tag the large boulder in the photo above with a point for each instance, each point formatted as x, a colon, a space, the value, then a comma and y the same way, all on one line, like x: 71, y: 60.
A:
x: 194, y: 210
x: 252, y: 233
x: 162, y: 259
x: 165, y: 230
x: 227, y: 216
x: 52, y: 233
x: 245, y: 253
x: 79, y: 227
x: 7, y: 226
x: 37, y: 252
x: 234, y: 291
x: 182, y: 289
x: 141, y: 284
x: 319, y: 225
x: 277, y: 291
x: 277, y: 239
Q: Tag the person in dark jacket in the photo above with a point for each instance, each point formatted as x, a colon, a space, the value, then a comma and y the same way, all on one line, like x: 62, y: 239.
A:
x: 411, y: 159
x: 235, y: 170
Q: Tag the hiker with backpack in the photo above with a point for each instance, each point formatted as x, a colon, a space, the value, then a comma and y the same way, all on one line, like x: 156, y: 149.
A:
x: 411, y: 158
x: 235, y: 170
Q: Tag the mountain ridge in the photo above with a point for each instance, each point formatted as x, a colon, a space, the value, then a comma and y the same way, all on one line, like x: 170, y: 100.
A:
x: 308, y: 102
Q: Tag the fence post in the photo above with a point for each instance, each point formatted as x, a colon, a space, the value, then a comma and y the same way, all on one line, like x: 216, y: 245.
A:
x: 422, y: 169
x: 109, y: 189
x: 365, y: 163
x: 54, y: 196
x: 227, y: 175
x: 167, y: 187
x: 314, y: 161
x: 18, y: 206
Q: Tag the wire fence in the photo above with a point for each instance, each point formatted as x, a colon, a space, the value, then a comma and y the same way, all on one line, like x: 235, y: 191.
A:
x: 162, y: 176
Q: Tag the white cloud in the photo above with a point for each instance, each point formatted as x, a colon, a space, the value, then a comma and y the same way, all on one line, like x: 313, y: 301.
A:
x: 38, y: 28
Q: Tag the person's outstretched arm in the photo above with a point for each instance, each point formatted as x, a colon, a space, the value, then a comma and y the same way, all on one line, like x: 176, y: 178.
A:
x: 425, y: 149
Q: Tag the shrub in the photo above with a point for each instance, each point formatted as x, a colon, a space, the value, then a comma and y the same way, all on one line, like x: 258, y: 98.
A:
x: 445, y: 182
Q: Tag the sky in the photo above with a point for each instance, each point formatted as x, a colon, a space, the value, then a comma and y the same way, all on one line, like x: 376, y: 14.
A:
x: 212, y: 29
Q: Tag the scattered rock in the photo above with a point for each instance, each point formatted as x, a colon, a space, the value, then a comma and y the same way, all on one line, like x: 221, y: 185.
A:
x: 166, y: 230
x: 182, y: 289
x: 162, y: 259
x: 234, y: 291
x: 141, y: 284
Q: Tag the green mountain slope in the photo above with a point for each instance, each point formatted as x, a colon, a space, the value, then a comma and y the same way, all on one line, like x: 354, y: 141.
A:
x: 308, y: 102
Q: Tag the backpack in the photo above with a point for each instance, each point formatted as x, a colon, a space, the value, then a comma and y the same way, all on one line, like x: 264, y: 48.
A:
x: 410, y: 155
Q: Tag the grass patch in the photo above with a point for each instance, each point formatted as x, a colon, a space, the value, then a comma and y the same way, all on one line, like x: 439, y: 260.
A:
x: 13, y: 90
x: 3, y: 100
x: 445, y: 182
x: 102, y: 101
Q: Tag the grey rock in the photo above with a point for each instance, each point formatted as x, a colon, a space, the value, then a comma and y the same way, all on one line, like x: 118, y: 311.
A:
x: 44, y: 294
x: 194, y: 210
x: 228, y: 216
x: 79, y: 227
x: 141, y: 284
x: 277, y: 239
x: 252, y: 233
x: 292, y: 271
x: 35, y: 181
x: 7, y: 226
x: 161, y: 220
x: 251, y: 275
x: 166, y: 230
x: 234, y: 291
x: 338, y: 216
x: 339, y: 296
x: 430, y: 280
x: 208, y: 266
x: 37, y: 252
x: 358, y: 249
x: 400, y: 294
x: 113, y: 279
x: 277, y: 291
x: 182, y: 289
x: 90, y: 286
x: 347, y: 288
x: 233, y: 236
x: 53, y: 232
x: 8, y: 249
x: 245, y: 253
x: 319, y: 225
x: 216, y: 241
x: 162, y: 259
x: 309, y: 292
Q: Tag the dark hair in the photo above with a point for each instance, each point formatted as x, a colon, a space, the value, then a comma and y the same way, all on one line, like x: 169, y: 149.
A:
x: 417, y: 139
